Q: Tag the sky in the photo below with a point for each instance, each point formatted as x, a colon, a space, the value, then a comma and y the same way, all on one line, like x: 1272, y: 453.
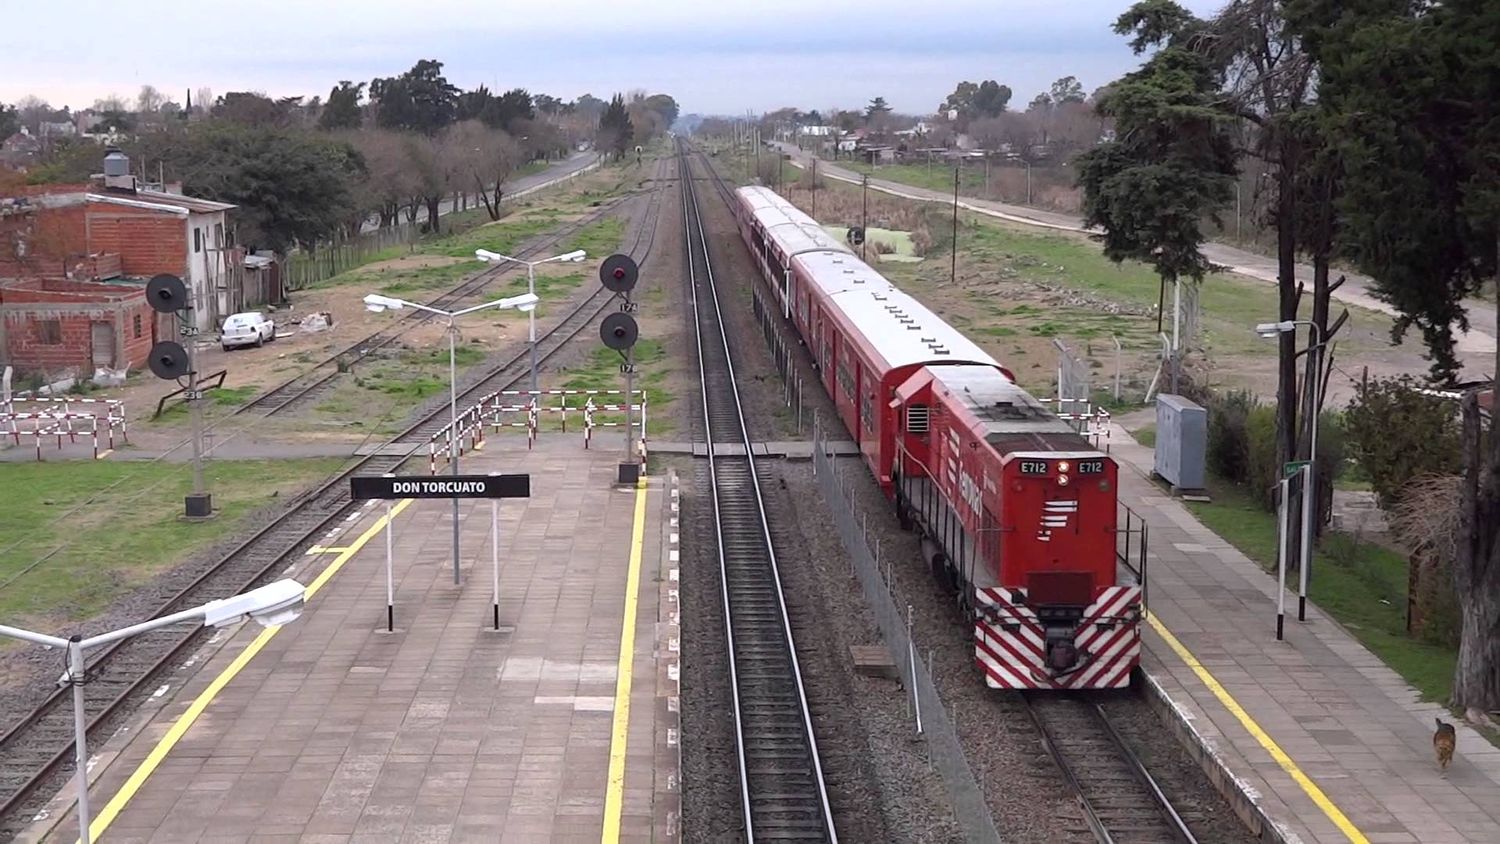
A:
x: 719, y: 57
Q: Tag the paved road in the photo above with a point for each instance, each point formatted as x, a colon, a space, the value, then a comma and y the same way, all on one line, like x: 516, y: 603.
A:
x: 555, y: 172
x: 1476, y: 347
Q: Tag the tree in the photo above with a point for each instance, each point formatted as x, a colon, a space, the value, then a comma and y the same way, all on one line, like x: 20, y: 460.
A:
x: 252, y: 108
x: 615, y: 131
x: 1413, y: 95
x: 665, y: 107
x: 547, y: 104
x: 10, y: 121
x: 390, y: 186
x: 1066, y: 90
x: 33, y: 112
x: 149, y: 100
x: 990, y: 99
x: 342, y: 110
x: 1399, y: 434
x: 1172, y: 166
x: 291, y: 187
x: 419, y: 100
x: 877, y: 108
x: 485, y: 158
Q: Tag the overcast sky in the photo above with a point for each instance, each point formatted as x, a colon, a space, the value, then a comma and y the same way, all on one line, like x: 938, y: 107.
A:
x: 713, y: 57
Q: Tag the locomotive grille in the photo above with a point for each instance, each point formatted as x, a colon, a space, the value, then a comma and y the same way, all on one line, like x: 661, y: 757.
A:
x: 916, y: 418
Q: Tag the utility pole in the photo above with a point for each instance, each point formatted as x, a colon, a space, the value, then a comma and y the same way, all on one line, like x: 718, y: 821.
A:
x: 813, y: 188
x: 864, y: 213
x: 953, y: 272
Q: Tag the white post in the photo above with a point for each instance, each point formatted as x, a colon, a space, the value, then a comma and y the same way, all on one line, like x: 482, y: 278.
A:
x: 531, y: 322
x: 80, y: 736
x: 453, y: 430
x: 390, y: 580
x: 1283, y: 551
x: 911, y: 658
x: 495, y: 555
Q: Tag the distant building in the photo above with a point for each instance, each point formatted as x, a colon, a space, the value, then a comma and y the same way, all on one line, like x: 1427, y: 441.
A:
x: 56, y: 325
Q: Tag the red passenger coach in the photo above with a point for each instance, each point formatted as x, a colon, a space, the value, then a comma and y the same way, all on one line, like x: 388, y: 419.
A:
x: 1017, y: 510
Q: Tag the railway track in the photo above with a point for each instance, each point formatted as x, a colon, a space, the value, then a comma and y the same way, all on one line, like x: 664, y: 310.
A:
x: 782, y: 790
x: 1120, y: 802
x: 307, y: 386
x: 36, y: 752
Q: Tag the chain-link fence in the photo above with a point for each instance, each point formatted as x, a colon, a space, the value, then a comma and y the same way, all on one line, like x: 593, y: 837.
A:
x: 930, y: 717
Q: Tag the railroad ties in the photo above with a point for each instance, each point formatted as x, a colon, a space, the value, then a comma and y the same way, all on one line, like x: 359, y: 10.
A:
x: 783, y: 794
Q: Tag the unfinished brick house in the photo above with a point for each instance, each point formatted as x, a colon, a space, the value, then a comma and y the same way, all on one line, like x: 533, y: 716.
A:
x: 70, y: 250
x: 55, y: 325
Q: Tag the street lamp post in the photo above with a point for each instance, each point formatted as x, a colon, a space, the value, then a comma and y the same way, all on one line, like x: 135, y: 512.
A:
x: 1309, y: 485
x: 270, y: 605
x: 489, y: 257
x: 525, y: 302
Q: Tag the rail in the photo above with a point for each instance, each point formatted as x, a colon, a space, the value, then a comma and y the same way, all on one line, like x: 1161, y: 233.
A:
x: 782, y: 790
x: 1118, y: 798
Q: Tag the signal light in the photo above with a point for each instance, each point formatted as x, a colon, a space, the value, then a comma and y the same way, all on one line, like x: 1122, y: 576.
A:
x: 1062, y: 466
x: 1062, y: 480
x: 619, y: 272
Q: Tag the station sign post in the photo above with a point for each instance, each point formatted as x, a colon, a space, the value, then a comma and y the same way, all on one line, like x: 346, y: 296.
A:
x: 389, y: 488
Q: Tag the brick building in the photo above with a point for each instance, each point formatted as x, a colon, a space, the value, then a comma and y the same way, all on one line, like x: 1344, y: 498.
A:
x: 59, y: 244
x: 57, y: 325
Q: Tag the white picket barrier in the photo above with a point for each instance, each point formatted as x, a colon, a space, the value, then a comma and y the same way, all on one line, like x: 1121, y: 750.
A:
x: 77, y: 416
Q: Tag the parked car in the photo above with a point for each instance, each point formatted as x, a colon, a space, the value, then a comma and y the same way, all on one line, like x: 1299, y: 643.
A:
x: 248, y: 329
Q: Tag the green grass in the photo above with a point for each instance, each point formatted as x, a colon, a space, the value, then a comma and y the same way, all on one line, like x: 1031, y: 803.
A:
x: 234, y: 396
x: 602, y: 372
x: 599, y: 239
x: 128, y: 534
x: 505, y: 236
x: 1361, y: 585
x: 1146, y: 435
x: 938, y: 177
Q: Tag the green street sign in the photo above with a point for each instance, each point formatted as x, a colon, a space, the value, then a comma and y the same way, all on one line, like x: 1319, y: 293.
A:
x: 1294, y: 467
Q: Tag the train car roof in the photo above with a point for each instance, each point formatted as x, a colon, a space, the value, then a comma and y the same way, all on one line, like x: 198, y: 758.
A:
x: 1012, y: 419
x: 792, y: 231
x: 895, y: 325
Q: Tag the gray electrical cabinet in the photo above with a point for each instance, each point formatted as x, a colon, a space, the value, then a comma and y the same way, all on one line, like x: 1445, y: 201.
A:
x: 1181, y: 442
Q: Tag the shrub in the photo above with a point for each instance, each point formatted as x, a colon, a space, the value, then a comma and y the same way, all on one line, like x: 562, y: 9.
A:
x: 1398, y: 434
x: 1262, y: 469
x: 1228, y: 439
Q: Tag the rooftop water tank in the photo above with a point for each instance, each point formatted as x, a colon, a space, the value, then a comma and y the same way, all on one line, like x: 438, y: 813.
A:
x: 116, y: 163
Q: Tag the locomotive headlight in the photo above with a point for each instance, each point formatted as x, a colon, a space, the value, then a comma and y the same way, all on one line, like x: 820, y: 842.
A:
x: 1063, y: 467
x: 1104, y: 486
x: 1062, y: 480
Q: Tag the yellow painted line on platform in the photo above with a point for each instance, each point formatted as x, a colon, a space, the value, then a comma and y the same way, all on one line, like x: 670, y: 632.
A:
x: 179, y: 728
x: 1309, y: 787
x: 614, y: 795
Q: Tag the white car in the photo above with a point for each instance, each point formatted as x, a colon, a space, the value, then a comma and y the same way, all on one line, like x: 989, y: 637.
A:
x: 247, y: 329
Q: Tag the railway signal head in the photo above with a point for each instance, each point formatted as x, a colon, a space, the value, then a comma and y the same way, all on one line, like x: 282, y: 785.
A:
x: 619, y: 331
x: 166, y: 293
x: 168, y: 360
x: 619, y: 273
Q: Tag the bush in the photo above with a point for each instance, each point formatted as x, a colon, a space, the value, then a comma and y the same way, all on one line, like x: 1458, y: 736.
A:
x: 1228, y: 439
x: 1262, y: 469
x: 1398, y: 434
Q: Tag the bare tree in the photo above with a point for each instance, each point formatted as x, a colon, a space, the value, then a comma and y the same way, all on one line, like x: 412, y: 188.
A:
x: 149, y: 100
x: 483, y: 158
x: 391, y: 185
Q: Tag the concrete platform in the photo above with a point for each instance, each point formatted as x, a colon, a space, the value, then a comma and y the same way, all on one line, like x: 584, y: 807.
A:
x: 332, y: 729
x: 1333, y: 746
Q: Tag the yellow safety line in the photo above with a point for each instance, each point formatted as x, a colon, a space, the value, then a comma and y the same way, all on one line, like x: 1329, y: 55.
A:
x: 1339, y: 819
x: 615, y: 790
x: 180, y: 727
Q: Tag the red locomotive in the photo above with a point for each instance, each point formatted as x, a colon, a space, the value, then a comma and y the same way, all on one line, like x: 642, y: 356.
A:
x: 1016, y: 509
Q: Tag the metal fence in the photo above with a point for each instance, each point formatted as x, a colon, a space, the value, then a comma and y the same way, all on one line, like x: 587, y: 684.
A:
x: 1072, y: 375
x: 930, y: 717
